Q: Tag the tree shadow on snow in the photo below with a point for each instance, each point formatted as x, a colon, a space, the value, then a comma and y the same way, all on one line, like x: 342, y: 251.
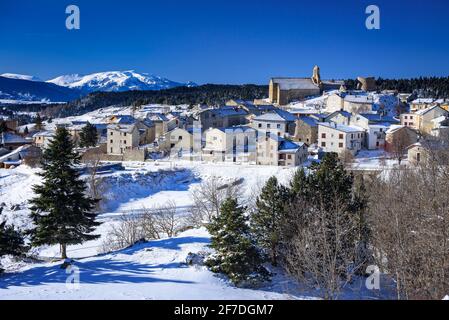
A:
x: 103, y: 269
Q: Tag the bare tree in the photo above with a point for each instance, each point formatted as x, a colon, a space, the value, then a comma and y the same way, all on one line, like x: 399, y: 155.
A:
x: 208, y: 197
x: 409, y: 216
x: 399, y: 145
x: 319, y: 253
x: 166, y: 220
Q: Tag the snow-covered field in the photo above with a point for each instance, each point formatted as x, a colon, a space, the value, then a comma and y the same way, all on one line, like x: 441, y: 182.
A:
x: 151, y: 270
x: 154, y: 270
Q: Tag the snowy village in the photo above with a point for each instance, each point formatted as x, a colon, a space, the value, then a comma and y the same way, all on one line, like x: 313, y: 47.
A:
x: 122, y: 185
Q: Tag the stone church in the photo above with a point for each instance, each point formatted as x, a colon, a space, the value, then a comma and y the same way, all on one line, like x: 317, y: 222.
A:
x: 285, y: 90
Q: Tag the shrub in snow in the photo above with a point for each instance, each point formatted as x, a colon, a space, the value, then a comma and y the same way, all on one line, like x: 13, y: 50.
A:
x: 196, y: 259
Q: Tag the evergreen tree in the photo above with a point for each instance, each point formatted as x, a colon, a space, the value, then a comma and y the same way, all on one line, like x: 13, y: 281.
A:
x: 298, y: 184
x: 236, y: 256
x: 11, y: 240
x: 61, y: 211
x: 38, y: 123
x: 266, y: 220
x: 3, y: 126
x: 26, y: 131
x: 88, y: 136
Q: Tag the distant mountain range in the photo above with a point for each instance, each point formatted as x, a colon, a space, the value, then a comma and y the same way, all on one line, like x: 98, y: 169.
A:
x: 68, y: 87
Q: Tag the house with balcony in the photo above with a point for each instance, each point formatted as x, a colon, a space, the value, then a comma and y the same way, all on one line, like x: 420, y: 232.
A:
x: 274, y: 150
x: 233, y: 144
x: 333, y: 137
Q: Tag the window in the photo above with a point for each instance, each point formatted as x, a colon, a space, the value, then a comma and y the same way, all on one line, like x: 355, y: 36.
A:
x: 405, y: 117
x: 411, y: 118
x: 124, y: 134
x: 124, y: 141
x: 323, y: 144
x: 340, y: 145
x: 180, y: 138
x: 112, y: 133
x: 268, y: 125
x: 112, y: 141
x: 340, y: 136
x: 289, y: 157
x: 278, y: 126
x: 259, y: 125
x: 323, y: 136
x: 111, y: 150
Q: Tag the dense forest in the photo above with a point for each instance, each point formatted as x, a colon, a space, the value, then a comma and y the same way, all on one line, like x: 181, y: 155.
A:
x: 209, y: 94
x: 433, y: 87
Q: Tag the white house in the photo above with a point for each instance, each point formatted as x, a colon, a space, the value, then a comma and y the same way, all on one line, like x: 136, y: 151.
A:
x: 338, y: 138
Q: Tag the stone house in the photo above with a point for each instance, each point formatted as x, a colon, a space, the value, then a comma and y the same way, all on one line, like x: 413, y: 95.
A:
x: 352, y: 103
x: 122, y: 137
x: 42, y: 139
x: 274, y: 150
x: 399, y: 137
x: 306, y: 130
x: 430, y: 150
x: 222, y: 117
x: 12, y: 141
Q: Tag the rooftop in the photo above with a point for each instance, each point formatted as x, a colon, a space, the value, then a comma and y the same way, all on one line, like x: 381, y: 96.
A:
x: 340, y: 127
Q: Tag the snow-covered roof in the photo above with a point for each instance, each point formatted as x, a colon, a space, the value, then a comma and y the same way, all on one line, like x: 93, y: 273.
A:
x: 127, y: 128
x: 7, y: 137
x: 422, y: 101
x: 276, y: 115
x: 394, y: 128
x: 359, y: 99
x: 287, y: 146
x: 309, y: 120
x: 424, y: 111
x: 44, y: 134
x: 340, y: 127
x: 295, y: 83
x: 378, y: 118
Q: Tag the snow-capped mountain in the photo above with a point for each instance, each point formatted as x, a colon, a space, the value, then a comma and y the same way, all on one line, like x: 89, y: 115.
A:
x: 116, y: 81
x: 20, y: 76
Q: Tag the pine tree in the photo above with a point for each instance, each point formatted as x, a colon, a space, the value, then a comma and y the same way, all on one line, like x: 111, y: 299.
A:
x: 38, y: 123
x: 26, y: 131
x: 236, y: 256
x: 298, y: 184
x: 266, y: 220
x: 11, y: 240
x: 61, y: 211
x: 88, y: 136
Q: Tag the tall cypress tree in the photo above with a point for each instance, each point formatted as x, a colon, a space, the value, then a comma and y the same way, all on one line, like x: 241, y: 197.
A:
x: 88, y: 136
x: 61, y: 211
x: 236, y: 256
x: 266, y: 220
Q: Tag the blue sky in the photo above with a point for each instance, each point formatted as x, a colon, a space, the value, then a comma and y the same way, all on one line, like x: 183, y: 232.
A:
x: 217, y: 41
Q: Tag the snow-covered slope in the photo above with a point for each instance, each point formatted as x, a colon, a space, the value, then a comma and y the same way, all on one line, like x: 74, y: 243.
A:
x: 20, y: 76
x: 116, y: 81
